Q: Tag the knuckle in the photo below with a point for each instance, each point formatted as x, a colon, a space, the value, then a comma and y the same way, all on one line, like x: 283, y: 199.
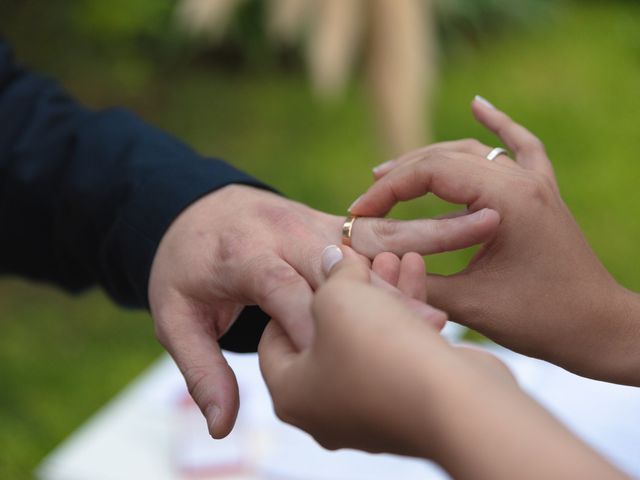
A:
x: 434, y: 155
x: 471, y: 144
x: 160, y: 333
x: 532, y: 145
x: 271, y: 278
x: 283, y: 218
x: 283, y: 410
x: 327, y: 443
x: 535, y: 188
x: 385, y: 231
x: 232, y: 245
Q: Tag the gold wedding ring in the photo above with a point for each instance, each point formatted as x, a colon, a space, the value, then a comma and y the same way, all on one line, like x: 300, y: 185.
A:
x: 347, y: 228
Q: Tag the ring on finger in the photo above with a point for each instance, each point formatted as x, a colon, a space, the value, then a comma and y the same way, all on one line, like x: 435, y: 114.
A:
x: 491, y: 156
x: 347, y: 229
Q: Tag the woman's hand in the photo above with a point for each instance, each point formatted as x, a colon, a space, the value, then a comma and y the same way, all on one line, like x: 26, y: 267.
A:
x: 536, y: 287
x: 378, y: 377
x: 366, y: 380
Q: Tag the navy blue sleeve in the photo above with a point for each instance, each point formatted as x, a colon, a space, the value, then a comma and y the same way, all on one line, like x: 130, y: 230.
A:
x: 86, y: 196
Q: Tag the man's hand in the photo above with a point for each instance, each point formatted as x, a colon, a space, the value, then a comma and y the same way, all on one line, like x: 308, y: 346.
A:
x: 242, y: 246
x: 536, y: 287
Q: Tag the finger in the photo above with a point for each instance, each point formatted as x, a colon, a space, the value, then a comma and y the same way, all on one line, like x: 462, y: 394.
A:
x: 467, y: 145
x: 387, y: 266
x: 456, y: 178
x: 210, y: 380
x: 529, y: 150
x: 413, y: 284
x: 412, y: 279
x: 370, y: 236
x: 283, y: 294
x: 275, y: 351
x: 454, y: 214
x: 354, y: 268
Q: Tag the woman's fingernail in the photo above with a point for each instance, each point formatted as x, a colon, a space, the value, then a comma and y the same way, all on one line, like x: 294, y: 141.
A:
x: 212, y: 414
x: 383, y: 167
x: 355, y: 202
x: 330, y: 256
x: 484, y: 102
x: 478, y: 216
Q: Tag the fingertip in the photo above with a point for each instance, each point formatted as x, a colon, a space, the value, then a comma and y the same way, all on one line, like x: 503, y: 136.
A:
x: 485, y: 223
x: 414, y: 260
x: 484, y: 112
x: 488, y: 216
x: 212, y: 415
x: 363, y: 206
x: 382, y: 169
x: 387, y: 266
x: 413, y: 278
x: 350, y: 264
x: 221, y: 414
x: 330, y: 256
x: 483, y: 103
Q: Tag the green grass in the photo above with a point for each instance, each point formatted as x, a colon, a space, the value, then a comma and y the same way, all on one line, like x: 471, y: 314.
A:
x: 573, y: 80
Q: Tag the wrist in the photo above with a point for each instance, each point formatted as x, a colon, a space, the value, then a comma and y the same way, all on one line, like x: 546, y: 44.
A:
x: 456, y: 419
x: 617, y: 357
x: 461, y: 384
x: 480, y: 426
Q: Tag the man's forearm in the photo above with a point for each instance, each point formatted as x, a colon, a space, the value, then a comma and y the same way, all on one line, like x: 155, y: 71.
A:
x: 86, y: 196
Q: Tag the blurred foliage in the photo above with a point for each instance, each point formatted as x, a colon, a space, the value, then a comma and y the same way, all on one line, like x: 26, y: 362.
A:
x: 465, y: 23
x: 136, y: 37
x: 573, y: 80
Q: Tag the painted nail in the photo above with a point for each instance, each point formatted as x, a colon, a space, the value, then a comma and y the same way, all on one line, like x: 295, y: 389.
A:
x: 484, y: 102
x: 355, y: 202
x: 330, y: 256
x: 383, y: 167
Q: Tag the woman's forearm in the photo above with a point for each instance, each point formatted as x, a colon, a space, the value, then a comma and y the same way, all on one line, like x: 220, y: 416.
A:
x: 617, y: 358
x: 494, y: 431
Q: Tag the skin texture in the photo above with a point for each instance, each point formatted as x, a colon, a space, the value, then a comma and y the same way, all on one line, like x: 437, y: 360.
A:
x: 536, y: 287
x: 379, y: 378
x: 243, y: 246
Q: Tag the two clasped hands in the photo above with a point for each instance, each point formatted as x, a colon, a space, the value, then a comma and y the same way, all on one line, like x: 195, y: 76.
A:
x: 353, y: 354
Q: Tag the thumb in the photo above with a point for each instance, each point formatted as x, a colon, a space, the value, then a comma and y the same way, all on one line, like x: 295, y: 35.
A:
x: 455, y: 295
x: 209, y: 379
x: 274, y: 353
x: 344, y: 263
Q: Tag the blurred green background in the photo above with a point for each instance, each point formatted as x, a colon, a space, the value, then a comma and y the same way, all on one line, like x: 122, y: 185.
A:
x: 570, y: 71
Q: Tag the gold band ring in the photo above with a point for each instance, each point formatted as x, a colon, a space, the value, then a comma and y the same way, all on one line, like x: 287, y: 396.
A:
x: 347, y: 228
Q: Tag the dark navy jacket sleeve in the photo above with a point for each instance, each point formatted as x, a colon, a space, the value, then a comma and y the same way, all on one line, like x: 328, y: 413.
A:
x: 86, y: 196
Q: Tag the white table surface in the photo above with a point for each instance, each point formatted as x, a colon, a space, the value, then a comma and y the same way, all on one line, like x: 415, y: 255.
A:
x: 149, y: 431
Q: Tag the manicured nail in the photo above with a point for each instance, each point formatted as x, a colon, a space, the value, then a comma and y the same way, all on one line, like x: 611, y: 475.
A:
x: 355, y: 202
x: 330, y: 256
x: 383, y: 167
x: 477, y: 217
x: 484, y: 102
x: 212, y: 413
